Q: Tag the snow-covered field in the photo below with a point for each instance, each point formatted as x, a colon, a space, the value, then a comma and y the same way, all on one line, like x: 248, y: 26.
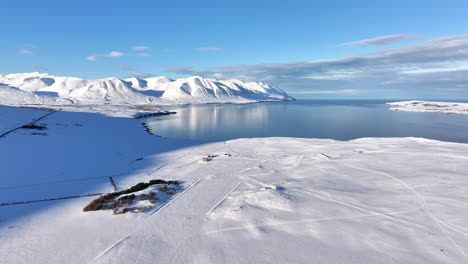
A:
x: 274, y: 200
x: 428, y: 106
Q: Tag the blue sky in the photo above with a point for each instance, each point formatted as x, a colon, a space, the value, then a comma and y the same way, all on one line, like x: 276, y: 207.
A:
x: 311, y: 49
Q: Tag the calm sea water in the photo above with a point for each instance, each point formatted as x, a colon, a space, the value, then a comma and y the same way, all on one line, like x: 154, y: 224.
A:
x: 341, y: 120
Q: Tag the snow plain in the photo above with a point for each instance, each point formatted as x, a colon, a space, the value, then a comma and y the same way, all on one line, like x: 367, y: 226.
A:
x: 274, y: 200
x: 429, y: 106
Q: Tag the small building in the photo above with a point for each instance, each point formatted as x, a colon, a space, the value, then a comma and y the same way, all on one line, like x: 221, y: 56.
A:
x: 118, y: 211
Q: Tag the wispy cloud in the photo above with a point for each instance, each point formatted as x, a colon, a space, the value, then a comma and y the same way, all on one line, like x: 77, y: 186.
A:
x: 141, y: 48
x: 131, y: 72
x: 455, y: 90
x: 344, y: 91
x: 91, y: 58
x: 25, y: 51
x: 115, y: 54
x: 210, y: 49
x: 112, y: 54
x: 383, y: 40
x: 118, y: 54
x: 143, y: 54
x: 457, y: 78
x: 183, y: 69
x: 386, y: 67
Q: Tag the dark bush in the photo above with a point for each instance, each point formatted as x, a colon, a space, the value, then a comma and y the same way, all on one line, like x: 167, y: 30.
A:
x: 135, y: 188
x: 114, y: 204
x: 95, y: 205
x: 101, y: 202
x: 107, y: 201
x: 127, y: 198
x: 144, y: 196
x: 163, y: 188
x: 153, y: 182
x: 152, y: 197
x: 34, y: 126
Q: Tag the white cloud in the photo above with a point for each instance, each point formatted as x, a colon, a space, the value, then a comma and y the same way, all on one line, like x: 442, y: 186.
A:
x: 115, y: 54
x: 25, y: 51
x: 441, y: 60
x: 112, y: 54
x: 210, y: 49
x: 91, y: 58
x: 383, y: 40
x: 143, y: 54
x: 141, y: 48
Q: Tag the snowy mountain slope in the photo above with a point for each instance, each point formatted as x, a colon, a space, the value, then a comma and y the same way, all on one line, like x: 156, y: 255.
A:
x: 34, y: 81
x: 156, y: 83
x: 152, y: 83
x: 154, y: 90
x: 201, y: 89
x: 110, y: 90
x: 14, y: 96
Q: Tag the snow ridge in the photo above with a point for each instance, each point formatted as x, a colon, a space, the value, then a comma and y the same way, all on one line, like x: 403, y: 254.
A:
x: 42, y: 88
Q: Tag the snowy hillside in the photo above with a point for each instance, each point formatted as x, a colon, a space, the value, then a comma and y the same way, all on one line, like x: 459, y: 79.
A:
x: 41, y: 88
x: 271, y: 200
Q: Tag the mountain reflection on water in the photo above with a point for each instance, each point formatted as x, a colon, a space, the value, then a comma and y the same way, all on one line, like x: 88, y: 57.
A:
x: 338, y: 119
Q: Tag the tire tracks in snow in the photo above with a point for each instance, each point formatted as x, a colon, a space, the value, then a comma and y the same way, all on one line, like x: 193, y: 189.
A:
x: 175, y: 198
x: 222, y: 199
x: 308, y: 220
x: 109, y: 248
x: 423, y: 206
x: 175, y: 256
x: 143, y: 219
x: 209, y: 197
x: 438, y: 222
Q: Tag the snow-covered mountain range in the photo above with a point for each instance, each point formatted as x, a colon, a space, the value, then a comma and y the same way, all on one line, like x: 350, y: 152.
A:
x: 42, y: 88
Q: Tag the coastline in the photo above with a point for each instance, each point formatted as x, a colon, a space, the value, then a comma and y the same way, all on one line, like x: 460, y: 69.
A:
x: 430, y: 106
x: 273, y: 195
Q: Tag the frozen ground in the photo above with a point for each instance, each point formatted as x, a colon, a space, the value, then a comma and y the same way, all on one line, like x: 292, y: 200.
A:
x: 274, y: 200
x: 427, y: 106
